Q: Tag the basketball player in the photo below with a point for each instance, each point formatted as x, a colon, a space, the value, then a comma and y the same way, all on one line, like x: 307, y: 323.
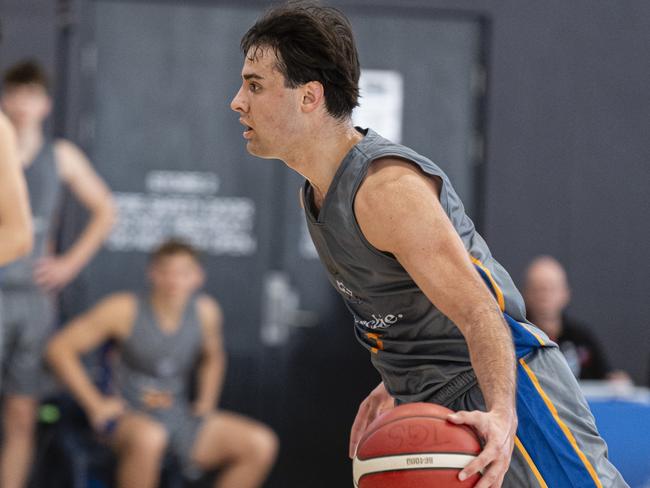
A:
x: 162, y: 335
x: 28, y: 285
x: 441, y: 319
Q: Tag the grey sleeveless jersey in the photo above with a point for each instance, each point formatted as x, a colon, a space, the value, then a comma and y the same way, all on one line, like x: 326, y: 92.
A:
x: 419, y: 352
x: 44, y: 188
x: 152, y: 360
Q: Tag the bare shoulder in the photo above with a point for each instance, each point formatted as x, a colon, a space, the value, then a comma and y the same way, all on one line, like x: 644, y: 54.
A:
x: 122, y: 301
x: 117, y: 311
x: 392, y: 180
x: 395, y: 196
x: 70, y: 158
x: 209, y: 311
x: 66, y: 149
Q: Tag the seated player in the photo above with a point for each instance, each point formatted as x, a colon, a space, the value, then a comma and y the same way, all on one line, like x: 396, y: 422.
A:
x: 163, y: 335
x: 547, y: 294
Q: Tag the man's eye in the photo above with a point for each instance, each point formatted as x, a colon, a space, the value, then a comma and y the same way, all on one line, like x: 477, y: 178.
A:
x: 253, y: 87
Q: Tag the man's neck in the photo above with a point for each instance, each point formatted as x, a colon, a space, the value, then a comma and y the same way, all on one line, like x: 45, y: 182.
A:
x: 166, y: 307
x: 320, y: 159
x: 551, y: 325
x: 30, y: 140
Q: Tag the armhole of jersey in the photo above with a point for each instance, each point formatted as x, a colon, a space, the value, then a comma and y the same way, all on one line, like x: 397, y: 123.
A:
x: 301, y: 196
x: 444, y: 200
x: 137, y: 297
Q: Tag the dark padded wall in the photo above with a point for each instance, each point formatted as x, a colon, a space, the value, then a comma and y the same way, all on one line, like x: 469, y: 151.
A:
x: 36, y: 17
x: 570, y: 158
x: 28, y: 31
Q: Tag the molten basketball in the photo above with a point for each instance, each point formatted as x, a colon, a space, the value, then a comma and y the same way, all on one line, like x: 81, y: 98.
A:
x: 414, y: 446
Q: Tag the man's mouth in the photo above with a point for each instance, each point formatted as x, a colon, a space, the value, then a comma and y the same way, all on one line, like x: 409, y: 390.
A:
x: 248, y: 132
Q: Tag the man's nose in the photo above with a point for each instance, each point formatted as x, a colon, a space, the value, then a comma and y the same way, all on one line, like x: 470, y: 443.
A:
x: 237, y: 104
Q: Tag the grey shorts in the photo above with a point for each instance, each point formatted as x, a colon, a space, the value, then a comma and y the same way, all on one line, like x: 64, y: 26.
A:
x: 182, y: 427
x: 28, y: 318
x: 557, y: 444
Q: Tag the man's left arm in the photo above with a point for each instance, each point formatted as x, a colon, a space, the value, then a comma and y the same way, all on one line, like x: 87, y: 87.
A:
x: 85, y: 184
x: 212, y: 366
x: 399, y: 211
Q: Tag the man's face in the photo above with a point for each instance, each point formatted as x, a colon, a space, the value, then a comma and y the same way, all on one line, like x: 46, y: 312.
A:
x: 546, y: 291
x: 176, y: 276
x: 26, y: 105
x: 268, y: 109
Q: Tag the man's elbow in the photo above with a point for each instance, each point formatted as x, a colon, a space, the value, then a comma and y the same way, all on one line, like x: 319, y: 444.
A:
x: 54, y: 350
x: 104, y: 214
x: 19, y: 242
x: 108, y: 212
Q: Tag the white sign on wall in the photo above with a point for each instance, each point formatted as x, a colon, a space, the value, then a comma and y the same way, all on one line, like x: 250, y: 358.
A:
x: 381, y: 103
x: 184, y: 205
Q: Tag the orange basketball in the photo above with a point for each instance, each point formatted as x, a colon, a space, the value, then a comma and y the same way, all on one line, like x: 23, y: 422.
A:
x: 414, y: 446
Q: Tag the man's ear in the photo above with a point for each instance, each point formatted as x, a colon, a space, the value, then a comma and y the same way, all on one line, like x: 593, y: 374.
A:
x: 313, y: 96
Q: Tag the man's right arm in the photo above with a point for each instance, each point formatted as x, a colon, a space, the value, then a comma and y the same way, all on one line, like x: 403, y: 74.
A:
x: 109, y: 319
x: 15, y: 215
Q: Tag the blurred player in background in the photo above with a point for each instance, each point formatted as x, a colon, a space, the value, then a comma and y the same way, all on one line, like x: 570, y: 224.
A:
x: 547, y: 295
x: 28, y: 285
x: 163, y: 336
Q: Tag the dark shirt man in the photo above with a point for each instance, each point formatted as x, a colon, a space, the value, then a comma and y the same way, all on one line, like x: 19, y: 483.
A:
x: 547, y: 294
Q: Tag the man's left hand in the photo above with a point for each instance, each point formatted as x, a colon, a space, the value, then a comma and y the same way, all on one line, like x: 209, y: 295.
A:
x: 498, y: 430
x: 52, y: 273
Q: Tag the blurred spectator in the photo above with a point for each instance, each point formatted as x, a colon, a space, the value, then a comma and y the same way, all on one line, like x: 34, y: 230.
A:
x: 163, y: 336
x: 29, y: 283
x: 547, y: 294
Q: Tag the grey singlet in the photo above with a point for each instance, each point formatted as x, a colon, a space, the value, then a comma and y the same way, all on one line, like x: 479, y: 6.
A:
x: 44, y: 187
x: 419, y: 352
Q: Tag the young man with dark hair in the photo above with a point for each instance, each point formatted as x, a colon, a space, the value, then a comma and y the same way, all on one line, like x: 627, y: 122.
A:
x: 441, y: 318
x: 162, y: 335
x: 28, y: 284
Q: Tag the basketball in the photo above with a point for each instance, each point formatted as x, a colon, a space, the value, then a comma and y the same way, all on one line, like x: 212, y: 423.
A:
x: 414, y: 446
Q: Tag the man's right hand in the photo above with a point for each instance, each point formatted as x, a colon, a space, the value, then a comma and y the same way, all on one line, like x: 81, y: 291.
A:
x: 378, y: 402
x: 104, y: 411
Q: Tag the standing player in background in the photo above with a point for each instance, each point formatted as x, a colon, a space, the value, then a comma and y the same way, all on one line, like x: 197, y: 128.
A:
x: 29, y: 285
x: 442, y: 320
x: 162, y: 336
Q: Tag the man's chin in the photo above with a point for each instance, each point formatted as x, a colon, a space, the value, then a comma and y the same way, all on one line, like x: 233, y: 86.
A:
x: 258, y: 152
